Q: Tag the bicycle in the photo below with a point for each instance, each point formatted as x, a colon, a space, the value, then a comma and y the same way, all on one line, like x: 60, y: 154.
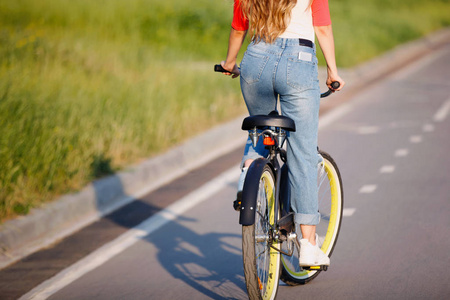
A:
x: 269, y: 241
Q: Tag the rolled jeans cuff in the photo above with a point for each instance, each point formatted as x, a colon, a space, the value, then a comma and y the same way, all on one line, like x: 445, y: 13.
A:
x: 307, y: 219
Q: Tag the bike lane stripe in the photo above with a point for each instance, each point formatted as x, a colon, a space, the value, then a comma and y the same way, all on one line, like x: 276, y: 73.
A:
x: 401, y: 152
x: 335, y: 114
x: 348, y: 212
x: 387, y: 169
x: 442, y: 112
x: 428, y: 128
x: 415, y: 139
x: 368, y: 189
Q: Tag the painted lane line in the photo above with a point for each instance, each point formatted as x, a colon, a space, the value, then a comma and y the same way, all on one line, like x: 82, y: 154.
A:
x: 415, y: 139
x: 368, y: 189
x: 428, y: 128
x: 128, y: 239
x: 401, y: 152
x: 442, y: 112
x: 348, y: 212
x: 368, y: 130
x: 335, y: 114
x: 387, y: 169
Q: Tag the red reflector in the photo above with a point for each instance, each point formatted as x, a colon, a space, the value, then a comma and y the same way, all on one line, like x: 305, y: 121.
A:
x: 268, y: 141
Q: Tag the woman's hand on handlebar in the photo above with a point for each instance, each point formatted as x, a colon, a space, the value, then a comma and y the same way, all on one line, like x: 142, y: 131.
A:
x: 332, y: 78
x: 234, y: 70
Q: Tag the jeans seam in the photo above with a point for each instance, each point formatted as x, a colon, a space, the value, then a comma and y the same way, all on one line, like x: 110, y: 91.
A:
x: 279, y: 57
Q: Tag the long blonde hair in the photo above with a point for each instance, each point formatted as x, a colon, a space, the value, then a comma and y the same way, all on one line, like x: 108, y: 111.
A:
x: 268, y: 18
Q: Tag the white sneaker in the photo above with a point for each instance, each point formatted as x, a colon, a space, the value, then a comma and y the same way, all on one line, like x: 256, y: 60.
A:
x: 312, y: 255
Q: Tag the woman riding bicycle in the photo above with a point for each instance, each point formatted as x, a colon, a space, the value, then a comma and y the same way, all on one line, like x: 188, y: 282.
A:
x: 280, y: 62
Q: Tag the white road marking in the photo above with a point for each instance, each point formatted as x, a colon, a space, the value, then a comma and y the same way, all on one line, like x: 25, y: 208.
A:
x: 442, y: 113
x: 335, y: 114
x: 348, y: 212
x: 401, y: 152
x: 368, y: 129
x: 387, y: 169
x: 129, y: 238
x: 368, y: 189
x: 428, y: 128
x: 415, y: 139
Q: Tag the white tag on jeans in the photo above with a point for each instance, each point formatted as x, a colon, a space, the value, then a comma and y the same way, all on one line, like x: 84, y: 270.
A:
x: 305, y: 56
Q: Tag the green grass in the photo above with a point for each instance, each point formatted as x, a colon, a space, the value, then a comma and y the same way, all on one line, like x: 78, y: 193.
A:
x: 365, y: 29
x: 89, y: 87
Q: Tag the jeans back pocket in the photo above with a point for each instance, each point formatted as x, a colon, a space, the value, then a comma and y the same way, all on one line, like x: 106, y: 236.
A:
x: 301, y: 74
x: 252, y: 66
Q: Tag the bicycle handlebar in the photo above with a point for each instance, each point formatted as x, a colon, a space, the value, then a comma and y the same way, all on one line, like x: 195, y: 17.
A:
x: 219, y: 68
x: 335, y: 85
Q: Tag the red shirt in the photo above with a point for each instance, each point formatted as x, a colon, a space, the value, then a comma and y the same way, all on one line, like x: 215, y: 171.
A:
x: 319, y: 8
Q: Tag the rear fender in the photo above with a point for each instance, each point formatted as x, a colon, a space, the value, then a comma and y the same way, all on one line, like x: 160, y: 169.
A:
x: 250, y: 191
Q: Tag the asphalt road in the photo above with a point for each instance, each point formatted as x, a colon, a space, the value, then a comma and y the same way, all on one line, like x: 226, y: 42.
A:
x: 392, y: 144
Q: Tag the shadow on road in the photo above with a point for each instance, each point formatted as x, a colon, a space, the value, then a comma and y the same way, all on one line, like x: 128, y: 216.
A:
x: 210, y: 262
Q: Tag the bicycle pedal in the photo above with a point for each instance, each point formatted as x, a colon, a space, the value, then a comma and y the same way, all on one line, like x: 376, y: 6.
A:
x: 316, y: 268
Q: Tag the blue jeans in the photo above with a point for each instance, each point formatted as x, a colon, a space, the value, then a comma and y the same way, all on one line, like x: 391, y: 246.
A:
x: 287, y: 71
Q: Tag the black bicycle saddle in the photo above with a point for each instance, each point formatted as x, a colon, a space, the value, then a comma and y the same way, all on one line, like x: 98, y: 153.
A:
x: 271, y: 120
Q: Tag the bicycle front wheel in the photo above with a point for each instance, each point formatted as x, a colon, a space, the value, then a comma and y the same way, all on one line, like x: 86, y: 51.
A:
x: 261, y: 261
x: 331, y: 203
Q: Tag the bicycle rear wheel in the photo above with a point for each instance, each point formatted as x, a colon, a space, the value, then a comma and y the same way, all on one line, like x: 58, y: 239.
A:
x: 331, y: 203
x: 261, y: 262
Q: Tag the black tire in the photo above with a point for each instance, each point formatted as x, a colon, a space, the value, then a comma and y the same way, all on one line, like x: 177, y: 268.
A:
x: 261, y: 262
x: 331, y: 204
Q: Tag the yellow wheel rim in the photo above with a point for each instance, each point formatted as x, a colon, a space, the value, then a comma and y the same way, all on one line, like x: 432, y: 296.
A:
x: 335, y: 207
x: 274, y: 265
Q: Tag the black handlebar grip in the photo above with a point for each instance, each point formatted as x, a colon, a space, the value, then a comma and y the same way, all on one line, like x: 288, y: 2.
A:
x: 335, y: 85
x: 219, y: 68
